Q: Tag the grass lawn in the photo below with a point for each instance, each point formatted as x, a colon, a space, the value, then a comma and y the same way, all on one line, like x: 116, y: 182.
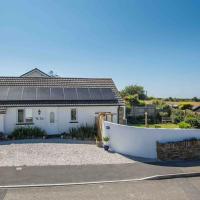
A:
x: 168, y: 125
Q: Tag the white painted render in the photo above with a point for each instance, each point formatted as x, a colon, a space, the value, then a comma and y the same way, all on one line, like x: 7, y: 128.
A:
x: 141, y: 142
x: 85, y: 115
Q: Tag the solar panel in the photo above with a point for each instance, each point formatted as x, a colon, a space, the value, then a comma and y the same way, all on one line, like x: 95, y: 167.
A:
x: 83, y: 94
x: 29, y: 93
x: 107, y: 94
x: 15, y: 93
x: 57, y: 94
x: 95, y: 94
x: 3, y: 93
x: 43, y: 93
x: 70, y: 94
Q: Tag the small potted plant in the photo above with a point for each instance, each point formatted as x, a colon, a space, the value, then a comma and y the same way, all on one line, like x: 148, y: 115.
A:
x: 99, y: 141
x: 106, y: 140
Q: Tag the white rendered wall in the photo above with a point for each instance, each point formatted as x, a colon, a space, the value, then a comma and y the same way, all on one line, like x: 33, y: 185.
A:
x: 85, y: 114
x: 141, y: 142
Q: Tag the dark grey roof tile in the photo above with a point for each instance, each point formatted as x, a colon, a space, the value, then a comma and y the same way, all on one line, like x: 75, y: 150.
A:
x: 68, y: 89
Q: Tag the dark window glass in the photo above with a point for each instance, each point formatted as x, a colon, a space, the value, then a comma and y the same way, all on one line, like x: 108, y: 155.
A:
x: 73, y: 114
x: 20, y: 116
x: 52, y: 117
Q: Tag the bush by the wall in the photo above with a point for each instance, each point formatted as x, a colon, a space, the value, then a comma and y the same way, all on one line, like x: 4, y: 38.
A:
x: 193, y: 121
x: 2, y: 136
x: 28, y: 133
x: 177, y: 116
x: 140, y: 120
x: 83, y: 132
x: 128, y: 109
x: 184, y: 125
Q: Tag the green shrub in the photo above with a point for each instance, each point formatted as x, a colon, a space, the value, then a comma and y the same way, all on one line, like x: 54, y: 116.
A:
x: 28, y: 133
x: 2, y: 136
x: 134, y: 100
x: 184, y: 125
x: 106, y: 139
x: 185, y: 106
x: 83, y: 132
x: 163, y: 114
x: 140, y: 120
x: 157, y: 126
x: 177, y: 116
x: 128, y: 109
x: 193, y: 121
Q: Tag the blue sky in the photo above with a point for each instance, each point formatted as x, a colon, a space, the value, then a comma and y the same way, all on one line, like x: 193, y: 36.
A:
x: 154, y: 43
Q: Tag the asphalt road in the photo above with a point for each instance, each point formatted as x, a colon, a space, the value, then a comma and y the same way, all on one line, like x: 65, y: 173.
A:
x: 90, y: 173
x: 173, y: 189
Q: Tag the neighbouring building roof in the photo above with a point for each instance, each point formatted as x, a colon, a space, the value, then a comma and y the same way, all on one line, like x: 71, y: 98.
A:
x: 196, y: 108
x: 35, y: 73
x: 37, y: 88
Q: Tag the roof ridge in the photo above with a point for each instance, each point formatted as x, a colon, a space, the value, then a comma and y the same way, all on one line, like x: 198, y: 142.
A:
x: 35, y: 69
x: 20, y: 77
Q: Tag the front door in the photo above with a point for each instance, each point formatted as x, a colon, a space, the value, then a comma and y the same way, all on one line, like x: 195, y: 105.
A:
x: 53, y: 122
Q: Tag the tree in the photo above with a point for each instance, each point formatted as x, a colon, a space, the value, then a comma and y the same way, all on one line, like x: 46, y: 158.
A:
x: 195, y: 99
x: 185, y: 106
x: 133, y: 90
x: 52, y: 74
x: 133, y: 100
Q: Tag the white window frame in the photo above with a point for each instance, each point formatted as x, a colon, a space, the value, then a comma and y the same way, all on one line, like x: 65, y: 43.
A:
x: 50, y: 119
x: 27, y: 116
x: 73, y: 120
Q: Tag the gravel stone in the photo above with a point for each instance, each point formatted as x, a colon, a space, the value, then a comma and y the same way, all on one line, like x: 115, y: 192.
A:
x: 56, y: 152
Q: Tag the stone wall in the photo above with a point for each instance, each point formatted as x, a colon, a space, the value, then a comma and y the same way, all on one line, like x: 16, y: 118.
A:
x: 182, y: 150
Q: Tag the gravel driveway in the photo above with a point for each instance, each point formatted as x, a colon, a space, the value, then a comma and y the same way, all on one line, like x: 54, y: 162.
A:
x: 55, y: 152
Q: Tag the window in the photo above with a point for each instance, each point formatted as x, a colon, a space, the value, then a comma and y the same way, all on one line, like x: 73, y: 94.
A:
x: 52, y: 117
x: 29, y: 115
x: 25, y: 116
x: 73, y: 114
x: 20, y: 116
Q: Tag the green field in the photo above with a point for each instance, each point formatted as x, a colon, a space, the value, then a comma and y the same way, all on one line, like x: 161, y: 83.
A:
x: 168, y: 125
x: 176, y: 102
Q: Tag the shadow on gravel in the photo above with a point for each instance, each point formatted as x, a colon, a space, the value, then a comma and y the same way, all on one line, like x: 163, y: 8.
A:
x: 52, y: 140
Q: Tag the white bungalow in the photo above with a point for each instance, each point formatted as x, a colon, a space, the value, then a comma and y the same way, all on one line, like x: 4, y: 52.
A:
x: 55, y: 103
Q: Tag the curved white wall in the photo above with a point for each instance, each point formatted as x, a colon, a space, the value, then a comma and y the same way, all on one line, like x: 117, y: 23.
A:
x: 141, y: 142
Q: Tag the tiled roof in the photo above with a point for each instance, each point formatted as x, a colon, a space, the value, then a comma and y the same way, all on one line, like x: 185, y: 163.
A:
x: 56, y: 82
x: 52, y: 82
x: 37, y: 71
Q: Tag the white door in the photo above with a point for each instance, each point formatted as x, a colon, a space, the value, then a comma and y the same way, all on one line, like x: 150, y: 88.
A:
x: 53, y: 122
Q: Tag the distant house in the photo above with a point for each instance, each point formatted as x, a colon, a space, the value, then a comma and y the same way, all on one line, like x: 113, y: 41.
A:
x: 196, y: 109
x: 56, y: 104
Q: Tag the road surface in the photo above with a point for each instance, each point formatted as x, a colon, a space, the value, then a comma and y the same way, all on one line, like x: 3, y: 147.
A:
x: 173, y: 189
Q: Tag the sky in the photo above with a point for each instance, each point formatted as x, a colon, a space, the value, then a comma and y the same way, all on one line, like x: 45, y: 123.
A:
x: 153, y: 43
